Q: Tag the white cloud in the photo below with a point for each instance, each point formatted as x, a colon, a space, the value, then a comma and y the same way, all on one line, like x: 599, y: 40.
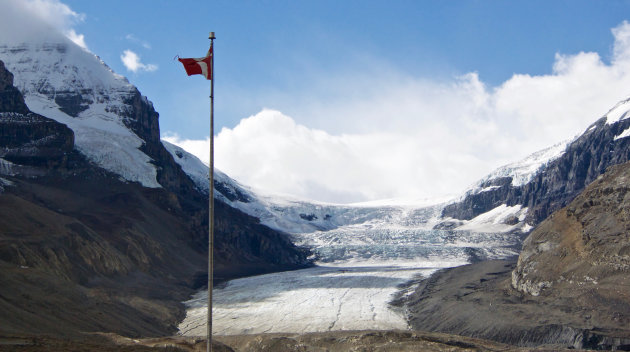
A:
x: 52, y: 14
x: 199, y: 148
x: 78, y: 39
x: 132, y: 62
x: 383, y: 134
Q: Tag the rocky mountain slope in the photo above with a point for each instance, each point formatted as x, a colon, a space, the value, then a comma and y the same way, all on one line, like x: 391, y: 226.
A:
x: 550, y: 179
x: 582, y: 252
x: 100, y: 228
x: 569, y: 288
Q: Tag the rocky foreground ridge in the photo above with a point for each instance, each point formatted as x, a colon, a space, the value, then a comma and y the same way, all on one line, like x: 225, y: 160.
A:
x: 582, y: 253
x: 569, y: 288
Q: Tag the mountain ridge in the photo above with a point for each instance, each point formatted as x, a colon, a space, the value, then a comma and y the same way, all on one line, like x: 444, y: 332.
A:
x: 559, y: 178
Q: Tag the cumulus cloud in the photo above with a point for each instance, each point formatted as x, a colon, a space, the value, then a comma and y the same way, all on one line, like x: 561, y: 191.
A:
x: 409, y: 137
x: 78, y: 39
x: 132, y: 62
x: 286, y: 157
x: 50, y: 16
x: 200, y: 148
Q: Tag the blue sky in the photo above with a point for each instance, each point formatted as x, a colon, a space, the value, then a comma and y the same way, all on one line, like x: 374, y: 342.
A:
x: 268, y: 49
x: 346, y: 101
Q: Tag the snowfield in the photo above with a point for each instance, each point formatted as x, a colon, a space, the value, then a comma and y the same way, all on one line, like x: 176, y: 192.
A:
x: 524, y: 170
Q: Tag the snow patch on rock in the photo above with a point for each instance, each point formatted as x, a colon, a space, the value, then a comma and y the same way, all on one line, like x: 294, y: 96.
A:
x: 624, y: 134
x: 618, y: 112
x: 192, y: 166
x: 524, y: 170
x: 500, y: 220
x: 103, y: 140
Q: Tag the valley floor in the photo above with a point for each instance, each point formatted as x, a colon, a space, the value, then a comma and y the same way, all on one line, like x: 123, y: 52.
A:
x: 337, y: 341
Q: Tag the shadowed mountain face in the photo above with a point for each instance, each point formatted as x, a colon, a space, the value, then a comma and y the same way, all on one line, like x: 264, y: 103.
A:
x: 83, y: 250
x: 556, y: 183
x: 28, y: 140
x: 76, y: 257
x: 11, y: 100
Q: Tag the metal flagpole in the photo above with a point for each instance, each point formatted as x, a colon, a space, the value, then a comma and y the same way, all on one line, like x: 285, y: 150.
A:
x: 211, y: 199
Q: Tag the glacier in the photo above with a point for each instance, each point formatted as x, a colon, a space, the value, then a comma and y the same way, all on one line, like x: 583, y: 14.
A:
x: 361, y: 266
x: 365, y: 254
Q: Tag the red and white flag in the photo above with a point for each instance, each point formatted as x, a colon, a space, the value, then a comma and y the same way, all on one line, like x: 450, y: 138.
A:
x: 199, y: 66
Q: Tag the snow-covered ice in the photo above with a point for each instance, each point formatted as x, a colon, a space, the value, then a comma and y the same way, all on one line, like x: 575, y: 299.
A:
x: 195, y: 168
x: 497, y: 220
x: 316, y: 299
x: 360, y: 267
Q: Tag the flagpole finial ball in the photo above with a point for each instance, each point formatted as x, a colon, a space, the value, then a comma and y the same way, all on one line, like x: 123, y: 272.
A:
x: 212, y: 36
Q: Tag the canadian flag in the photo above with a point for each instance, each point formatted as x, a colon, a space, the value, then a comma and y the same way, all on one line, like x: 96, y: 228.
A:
x: 199, y: 66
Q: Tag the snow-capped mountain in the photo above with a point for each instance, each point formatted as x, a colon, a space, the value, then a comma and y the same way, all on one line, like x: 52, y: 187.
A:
x: 114, y: 126
x: 522, y: 171
x: 549, y: 179
x: 70, y: 85
x: 293, y: 215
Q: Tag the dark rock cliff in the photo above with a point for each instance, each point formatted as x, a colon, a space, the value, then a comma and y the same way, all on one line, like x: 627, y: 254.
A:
x: 240, y: 238
x: 11, y: 100
x: 27, y: 138
x: 557, y: 183
x: 34, y: 140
